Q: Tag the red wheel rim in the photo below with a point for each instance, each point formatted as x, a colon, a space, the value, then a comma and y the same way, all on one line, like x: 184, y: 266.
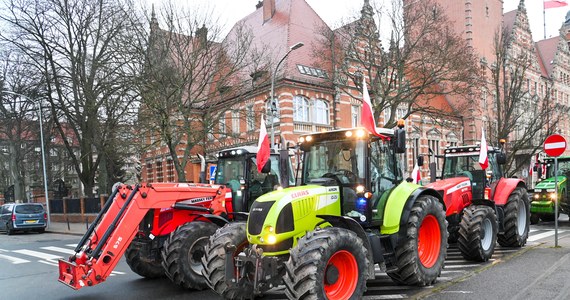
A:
x: 429, y: 241
x: 347, y: 279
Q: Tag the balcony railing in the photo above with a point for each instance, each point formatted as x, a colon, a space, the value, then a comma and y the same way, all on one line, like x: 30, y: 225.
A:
x: 309, y: 127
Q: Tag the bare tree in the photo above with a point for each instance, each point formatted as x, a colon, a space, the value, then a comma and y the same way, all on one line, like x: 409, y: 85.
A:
x: 193, y: 76
x: 523, y: 117
x: 19, y: 122
x: 86, y: 52
x: 425, y: 58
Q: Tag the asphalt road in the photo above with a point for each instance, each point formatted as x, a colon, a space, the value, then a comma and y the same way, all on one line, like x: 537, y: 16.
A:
x: 28, y: 267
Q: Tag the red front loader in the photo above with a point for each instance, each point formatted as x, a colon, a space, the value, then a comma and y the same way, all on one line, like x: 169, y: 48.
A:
x: 482, y: 205
x: 109, y: 236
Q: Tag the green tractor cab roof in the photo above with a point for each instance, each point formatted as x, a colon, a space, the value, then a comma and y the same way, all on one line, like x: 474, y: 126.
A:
x: 342, y: 134
x: 238, y: 151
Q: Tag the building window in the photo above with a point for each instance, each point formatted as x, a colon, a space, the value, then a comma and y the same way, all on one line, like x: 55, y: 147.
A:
x: 222, y: 124
x: 300, y: 109
x: 250, y: 117
x: 149, y: 173
x: 170, y: 170
x: 321, y: 112
x: 235, y: 121
x: 159, y: 174
x: 355, y: 115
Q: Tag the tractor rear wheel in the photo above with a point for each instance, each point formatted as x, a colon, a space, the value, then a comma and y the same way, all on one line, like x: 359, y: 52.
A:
x: 421, y: 254
x: 183, y: 251
x: 214, y: 261
x: 478, y: 233
x: 142, y: 263
x: 517, y: 219
x: 329, y: 263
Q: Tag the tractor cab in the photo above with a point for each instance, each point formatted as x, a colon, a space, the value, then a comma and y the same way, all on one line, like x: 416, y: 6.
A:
x: 463, y: 161
x: 363, y: 166
x: 237, y: 169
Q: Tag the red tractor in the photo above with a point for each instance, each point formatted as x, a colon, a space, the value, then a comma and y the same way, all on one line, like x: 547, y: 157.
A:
x: 482, y: 205
x: 162, y: 228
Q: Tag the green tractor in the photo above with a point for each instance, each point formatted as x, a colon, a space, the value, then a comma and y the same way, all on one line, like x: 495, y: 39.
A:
x: 322, y: 239
x: 544, y: 194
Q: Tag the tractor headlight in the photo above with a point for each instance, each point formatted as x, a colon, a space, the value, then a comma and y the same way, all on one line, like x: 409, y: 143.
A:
x: 271, y: 239
x: 360, y: 189
x: 536, y: 196
x: 552, y: 196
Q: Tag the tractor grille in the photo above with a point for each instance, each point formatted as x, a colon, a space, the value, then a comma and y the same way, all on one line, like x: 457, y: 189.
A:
x: 257, y: 215
x: 283, y: 246
x: 285, y: 221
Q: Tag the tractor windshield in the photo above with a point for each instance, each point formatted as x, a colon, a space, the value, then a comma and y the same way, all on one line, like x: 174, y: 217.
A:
x: 457, y: 165
x: 563, y: 167
x: 344, y: 160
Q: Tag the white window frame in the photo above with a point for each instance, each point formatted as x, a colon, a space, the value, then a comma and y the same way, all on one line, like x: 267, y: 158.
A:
x: 321, y: 112
x: 301, y: 109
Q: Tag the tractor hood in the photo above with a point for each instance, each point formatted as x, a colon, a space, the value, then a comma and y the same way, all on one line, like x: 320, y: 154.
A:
x: 276, y: 218
x: 549, y: 183
x: 450, y: 185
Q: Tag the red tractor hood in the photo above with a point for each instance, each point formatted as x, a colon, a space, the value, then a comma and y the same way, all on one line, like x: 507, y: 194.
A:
x: 450, y: 185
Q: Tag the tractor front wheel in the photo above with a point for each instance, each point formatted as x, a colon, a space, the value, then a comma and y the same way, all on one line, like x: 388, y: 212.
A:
x: 534, y: 219
x: 329, y: 264
x: 183, y: 251
x: 142, y: 263
x: 517, y: 219
x: 420, y: 256
x: 214, y: 262
x: 478, y: 233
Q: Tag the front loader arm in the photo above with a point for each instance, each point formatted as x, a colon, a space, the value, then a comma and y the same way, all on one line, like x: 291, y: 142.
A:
x: 108, y: 237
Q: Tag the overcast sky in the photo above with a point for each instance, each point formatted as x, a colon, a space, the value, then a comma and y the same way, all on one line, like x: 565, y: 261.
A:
x: 332, y: 11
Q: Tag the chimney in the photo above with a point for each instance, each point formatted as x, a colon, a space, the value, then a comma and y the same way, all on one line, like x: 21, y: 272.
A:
x: 268, y: 9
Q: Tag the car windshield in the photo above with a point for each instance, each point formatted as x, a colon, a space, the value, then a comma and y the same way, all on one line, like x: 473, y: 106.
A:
x: 29, y: 209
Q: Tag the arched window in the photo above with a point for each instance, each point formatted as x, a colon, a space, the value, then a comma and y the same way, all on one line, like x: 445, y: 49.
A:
x: 300, y: 109
x: 321, y: 112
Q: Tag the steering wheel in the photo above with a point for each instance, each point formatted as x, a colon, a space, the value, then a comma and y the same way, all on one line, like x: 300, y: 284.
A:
x: 466, y: 174
x: 348, y: 174
x: 468, y: 168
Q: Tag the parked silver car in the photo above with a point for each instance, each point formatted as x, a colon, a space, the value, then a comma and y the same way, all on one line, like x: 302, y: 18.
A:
x: 23, y: 217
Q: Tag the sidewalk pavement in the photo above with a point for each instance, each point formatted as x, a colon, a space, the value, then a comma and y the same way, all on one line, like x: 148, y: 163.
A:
x: 68, y: 228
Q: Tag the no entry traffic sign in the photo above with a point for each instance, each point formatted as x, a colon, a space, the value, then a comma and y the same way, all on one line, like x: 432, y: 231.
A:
x: 554, y: 145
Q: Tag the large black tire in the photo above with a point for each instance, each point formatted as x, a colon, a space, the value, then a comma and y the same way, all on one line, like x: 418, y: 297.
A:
x: 214, y: 262
x: 329, y: 263
x: 141, y: 262
x: 183, y: 251
x: 517, y: 220
x: 421, y: 254
x: 478, y: 233
x: 453, y: 232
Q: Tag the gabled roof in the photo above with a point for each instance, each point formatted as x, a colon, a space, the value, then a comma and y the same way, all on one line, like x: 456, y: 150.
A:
x: 509, y: 20
x: 293, y: 21
x: 546, y: 51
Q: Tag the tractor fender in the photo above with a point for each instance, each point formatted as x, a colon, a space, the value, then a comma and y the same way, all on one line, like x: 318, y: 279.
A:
x: 399, y: 204
x: 219, y: 221
x: 352, y: 225
x: 504, y: 188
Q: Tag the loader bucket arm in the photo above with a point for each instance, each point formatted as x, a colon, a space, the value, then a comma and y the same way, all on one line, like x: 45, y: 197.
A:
x: 108, y: 237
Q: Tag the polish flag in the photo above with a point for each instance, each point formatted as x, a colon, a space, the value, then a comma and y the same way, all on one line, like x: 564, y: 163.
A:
x: 262, y: 146
x: 367, y: 113
x: 483, y: 159
x: 416, y: 175
x: 531, y: 167
x: 554, y: 4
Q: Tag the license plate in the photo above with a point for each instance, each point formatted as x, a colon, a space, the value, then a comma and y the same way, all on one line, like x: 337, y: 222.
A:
x: 31, y: 221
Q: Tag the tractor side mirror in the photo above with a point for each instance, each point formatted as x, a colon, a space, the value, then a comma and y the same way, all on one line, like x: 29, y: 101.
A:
x: 420, y: 160
x: 400, y: 143
x: 267, y: 167
x: 501, y: 158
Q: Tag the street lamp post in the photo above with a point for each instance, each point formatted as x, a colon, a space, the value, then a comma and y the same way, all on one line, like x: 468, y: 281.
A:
x: 42, y: 147
x: 272, y: 95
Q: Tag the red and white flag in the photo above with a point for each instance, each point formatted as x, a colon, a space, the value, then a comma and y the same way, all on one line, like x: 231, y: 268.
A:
x: 416, y: 174
x: 483, y: 159
x: 263, y: 147
x: 367, y: 113
x: 554, y: 4
x: 531, y: 167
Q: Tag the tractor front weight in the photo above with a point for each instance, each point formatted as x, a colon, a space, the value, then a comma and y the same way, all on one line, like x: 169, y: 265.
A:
x: 251, y: 268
